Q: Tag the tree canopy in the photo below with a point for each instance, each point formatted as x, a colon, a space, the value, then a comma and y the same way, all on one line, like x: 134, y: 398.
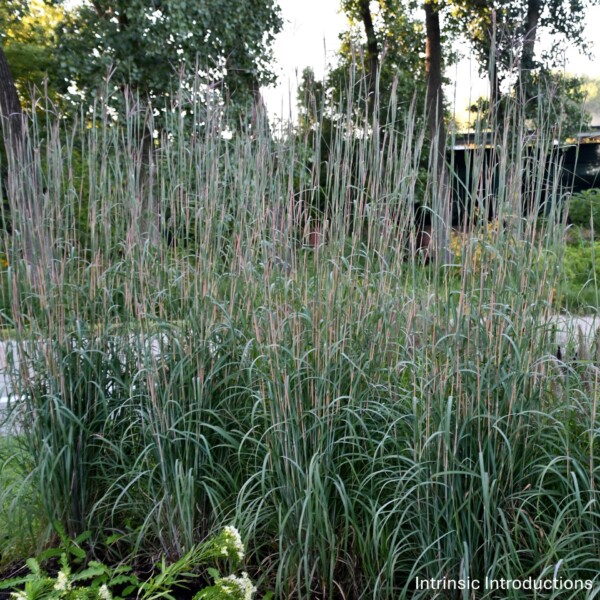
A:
x: 28, y: 37
x: 504, y: 36
x: 382, y: 47
x: 146, y: 46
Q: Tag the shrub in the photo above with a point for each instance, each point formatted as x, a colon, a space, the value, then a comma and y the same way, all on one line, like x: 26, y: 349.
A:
x: 581, y: 276
x: 584, y: 210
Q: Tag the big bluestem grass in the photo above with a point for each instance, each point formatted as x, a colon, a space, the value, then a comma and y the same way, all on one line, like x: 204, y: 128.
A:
x: 186, y: 359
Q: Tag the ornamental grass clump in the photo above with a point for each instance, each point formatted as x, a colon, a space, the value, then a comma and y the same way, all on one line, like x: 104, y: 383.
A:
x: 184, y: 360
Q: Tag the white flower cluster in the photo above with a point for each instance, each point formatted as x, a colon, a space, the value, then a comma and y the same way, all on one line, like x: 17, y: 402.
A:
x: 233, y: 542
x: 155, y: 15
x: 20, y: 595
x: 62, y: 582
x: 238, y: 587
x: 104, y: 593
x: 76, y: 94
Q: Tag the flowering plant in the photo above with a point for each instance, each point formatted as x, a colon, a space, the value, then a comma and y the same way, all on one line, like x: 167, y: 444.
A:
x: 232, y: 587
x: 96, y: 581
x: 66, y: 585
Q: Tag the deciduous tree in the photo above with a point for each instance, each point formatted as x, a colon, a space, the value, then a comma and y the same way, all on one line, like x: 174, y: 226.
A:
x: 150, y: 46
x: 441, y: 193
x: 382, y: 46
x: 505, y: 33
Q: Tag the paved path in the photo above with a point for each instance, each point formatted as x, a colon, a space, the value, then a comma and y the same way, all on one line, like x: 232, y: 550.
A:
x: 570, y: 331
x: 5, y: 387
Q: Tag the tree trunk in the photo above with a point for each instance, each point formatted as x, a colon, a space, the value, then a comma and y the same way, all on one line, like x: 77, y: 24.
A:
x: 259, y: 119
x: 433, y: 71
x: 10, y: 108
x: 437, y: 130
x: 530, y: 26
x: 23, y: 181
x: 493, y: 66
x: 372, y: 58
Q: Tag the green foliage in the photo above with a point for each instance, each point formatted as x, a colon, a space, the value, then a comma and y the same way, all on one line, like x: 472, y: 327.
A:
x: 152, y: 47
x: 591, y: 88
x: 11, y: 12
x: 236, y: 588
x: 503, y: 36
x: 560, y: 101
x: 401, y: 70
x: 94, y: 580
x: 584, y: 210
x: 21, y: 516
x: 332, y: 127
x: 28, y: 36
x: 346, y: 105
x: 497, y: 29
x: 582, y: 276
x: 91, y: 583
